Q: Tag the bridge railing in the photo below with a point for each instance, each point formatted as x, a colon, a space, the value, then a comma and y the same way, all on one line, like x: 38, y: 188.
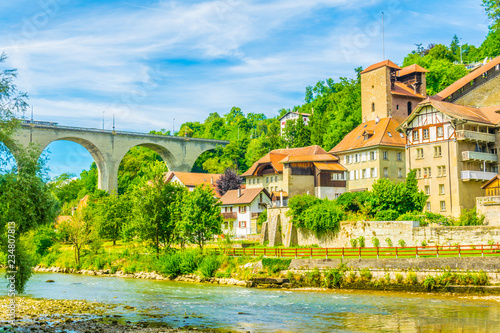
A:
x: 96, y: 130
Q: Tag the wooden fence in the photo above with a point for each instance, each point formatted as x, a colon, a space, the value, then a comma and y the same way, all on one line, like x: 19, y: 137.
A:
x: 367, y: 252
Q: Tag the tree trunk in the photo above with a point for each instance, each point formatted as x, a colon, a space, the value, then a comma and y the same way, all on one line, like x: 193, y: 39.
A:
x: 114, y: 242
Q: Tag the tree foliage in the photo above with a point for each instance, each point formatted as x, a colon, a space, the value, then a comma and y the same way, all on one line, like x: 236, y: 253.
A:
x: 201, y: 216
x: 228, y: 181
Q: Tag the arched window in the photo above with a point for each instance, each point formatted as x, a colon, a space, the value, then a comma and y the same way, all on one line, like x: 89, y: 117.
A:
x: 373, y: 107
x: 409, y: 108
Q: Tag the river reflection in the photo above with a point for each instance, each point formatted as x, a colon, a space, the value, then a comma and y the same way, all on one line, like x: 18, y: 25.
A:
x: 263, y: 310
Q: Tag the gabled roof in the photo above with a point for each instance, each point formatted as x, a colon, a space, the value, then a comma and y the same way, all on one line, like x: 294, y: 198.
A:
x: 412, y: 69
x: 275, y: 156
x: 466, y: 79
x: 401, y: 89
x: 384, y: 134
x: 193, y: 179
x: 490, y: 181
x: 387, y: 63
x: 310, y: 158
x: 247, y: 196
x: 486, y: 115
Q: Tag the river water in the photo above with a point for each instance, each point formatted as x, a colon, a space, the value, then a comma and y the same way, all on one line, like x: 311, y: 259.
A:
x: 267, y: 310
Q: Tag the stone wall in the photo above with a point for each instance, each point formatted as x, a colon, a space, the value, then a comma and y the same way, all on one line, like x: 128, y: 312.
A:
x: 282, y: 231
x: 490, y: 208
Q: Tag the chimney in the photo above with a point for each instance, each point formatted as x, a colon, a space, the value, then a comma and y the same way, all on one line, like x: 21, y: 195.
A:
x: 239, y: 192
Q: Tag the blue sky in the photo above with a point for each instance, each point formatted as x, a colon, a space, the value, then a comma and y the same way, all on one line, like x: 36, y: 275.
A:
x: 149, y: 62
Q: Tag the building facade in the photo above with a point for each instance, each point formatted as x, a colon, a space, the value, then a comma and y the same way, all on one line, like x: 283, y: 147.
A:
x: 190, y: 179
x: 241, y: 209
x: 293, y: 116
x: 454, y: 150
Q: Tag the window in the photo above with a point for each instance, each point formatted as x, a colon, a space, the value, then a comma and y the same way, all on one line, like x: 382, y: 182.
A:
x: 442, y: 171
x: 386, y: 172
x: 356, y: 158
x: 442, y: 205
x: 437, y: 151
x: 373, y: 155
x: 243, y: 224
x: 242, y: 209
x: 409, y: 108
x: 415, y: 135
x: 400, y: 173
x: 373, y: 107
x: 386, y: 155
x: 420, y: 153
x: 426, y: 133
x: 419, y: 173
x: 397, y: 107
x: 337, y: 195
x: 441, y: 189
x: 427, y: 172
x: 440, y: 132
x: 374, y: 172
x: 267, y: 179
x: 427, y: 190
x: 428, y: 206
x: 398, y: 156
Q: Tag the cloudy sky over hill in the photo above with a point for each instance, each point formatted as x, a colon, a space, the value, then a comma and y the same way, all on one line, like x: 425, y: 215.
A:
x: 149, y: 62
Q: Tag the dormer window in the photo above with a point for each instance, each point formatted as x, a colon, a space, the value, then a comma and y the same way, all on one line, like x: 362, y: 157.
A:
x: 367, y: 134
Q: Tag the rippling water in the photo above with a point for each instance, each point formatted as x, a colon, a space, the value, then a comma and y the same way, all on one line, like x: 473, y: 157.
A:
x: 266, y: 310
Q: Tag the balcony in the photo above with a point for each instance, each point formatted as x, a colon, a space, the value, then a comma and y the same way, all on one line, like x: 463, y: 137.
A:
x: 229, y: 216
x: 477, y: 156
x: 477, y: 175
x: 255, y: 215
x: 475, y: 136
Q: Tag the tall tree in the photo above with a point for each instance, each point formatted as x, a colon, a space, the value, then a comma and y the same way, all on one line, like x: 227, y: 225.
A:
x: 201, y: 216
x: 156, y: 208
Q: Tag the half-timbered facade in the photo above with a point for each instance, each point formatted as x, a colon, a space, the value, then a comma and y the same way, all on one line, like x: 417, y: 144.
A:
x: 452, y: 148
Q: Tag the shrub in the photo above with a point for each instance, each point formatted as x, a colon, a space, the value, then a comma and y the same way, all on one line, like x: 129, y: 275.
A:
x: 209, y: 265
x: 354, y: 242
x: 43, y: 239
x: 387, y: 278
x: 402, y: 243
x: 388, y: 241
x: 314, y: 277
x: 386, y: 215
x: 399, y: 277
x: 366, y: 274
x: 170, y: 264
x: 275, y: 265
x: 353, y: 201
x: 411, y: 278
x: 424, y: 243
x: 375, y: 242
x: 189, y: 261
x: 361, y: 241
x: 262, y: 218
x: 429, y: 282
x: 333, y: 278
x: 469, y: 217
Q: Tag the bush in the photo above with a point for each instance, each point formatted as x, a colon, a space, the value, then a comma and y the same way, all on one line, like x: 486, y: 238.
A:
x: 429, y: 282
x: 375, y: 242
x: 333, y: 278
x: 386, y: 215
x: 361, y: 241
x: 170, y: 264
x: 469, y: 217
x: 209, y: 266
x: 354, y: 242
x: 424, y: 243
x: 365, y: 274
x: 353, y: 201
x: 189, y: 261
x: 262, y: 218
x: 411, y: 278
x: 43, y: 239
x: 388, y: 241
x: 401, y: 243
x: 314, y: 277
x: 275, y: 265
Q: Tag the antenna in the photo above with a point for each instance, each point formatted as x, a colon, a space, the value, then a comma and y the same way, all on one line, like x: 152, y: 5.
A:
x: 383, y: 38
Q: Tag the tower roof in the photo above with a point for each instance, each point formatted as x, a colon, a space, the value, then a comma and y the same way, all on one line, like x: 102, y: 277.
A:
x: 387, y: 63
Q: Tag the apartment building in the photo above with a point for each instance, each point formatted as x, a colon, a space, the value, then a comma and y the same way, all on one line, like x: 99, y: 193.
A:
x: 452, y: 147
x: 292, y: 115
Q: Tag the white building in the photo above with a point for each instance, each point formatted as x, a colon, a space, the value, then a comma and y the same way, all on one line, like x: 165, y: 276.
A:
x: 241, y: 208
x: 293, y: 116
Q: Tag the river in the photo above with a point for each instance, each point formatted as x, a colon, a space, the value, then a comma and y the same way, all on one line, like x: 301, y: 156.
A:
x: 267, y: 310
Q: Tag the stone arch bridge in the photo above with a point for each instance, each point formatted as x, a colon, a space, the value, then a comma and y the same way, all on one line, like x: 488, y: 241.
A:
x: 109, y: 147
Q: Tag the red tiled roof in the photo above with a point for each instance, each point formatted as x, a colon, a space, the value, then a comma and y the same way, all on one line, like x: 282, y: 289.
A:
x: 191, y: 179
x: 401, y: 89
x: 384, y: 133
x: 275, y: 156
x: 329, y: 166
x: 247, y: 196
x: 387, y: 63
x: 309, y: 158
x: 448, y: 91
x: 486, y: 115
x: 412, y: 69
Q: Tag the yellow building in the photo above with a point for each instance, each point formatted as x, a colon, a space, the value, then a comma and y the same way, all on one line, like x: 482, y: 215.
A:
x: 452, y: 147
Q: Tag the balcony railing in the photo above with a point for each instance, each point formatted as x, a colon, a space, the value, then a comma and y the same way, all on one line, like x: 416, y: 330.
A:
x: 477, y: 175
x: 229, y: 216
x: 477, y: 156
x: 255, y: 215
x: 475, y: 136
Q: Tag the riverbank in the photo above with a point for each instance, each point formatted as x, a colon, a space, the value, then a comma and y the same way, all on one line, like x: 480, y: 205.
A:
x: 403, y: 275
x: 50, y: 315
